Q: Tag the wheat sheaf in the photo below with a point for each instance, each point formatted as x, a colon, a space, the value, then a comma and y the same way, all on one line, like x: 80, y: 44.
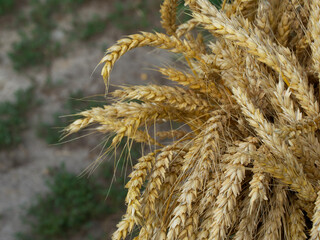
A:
x: 248, y: 167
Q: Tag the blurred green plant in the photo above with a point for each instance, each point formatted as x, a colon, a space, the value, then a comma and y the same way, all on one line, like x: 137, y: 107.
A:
x: 86, y: 30
x: 218, y: 3
x: 130, y: 16
x: 6, y: 6
x: 14, y: 117
x: 126, y: 16
x: 71, y: 203
x: 36, y: 47
x: 51, y: 131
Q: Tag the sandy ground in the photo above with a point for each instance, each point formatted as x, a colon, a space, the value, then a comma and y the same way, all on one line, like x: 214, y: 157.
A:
x: 23, y: 169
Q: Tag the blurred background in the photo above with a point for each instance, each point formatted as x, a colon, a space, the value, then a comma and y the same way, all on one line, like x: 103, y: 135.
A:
x: 48, y: 69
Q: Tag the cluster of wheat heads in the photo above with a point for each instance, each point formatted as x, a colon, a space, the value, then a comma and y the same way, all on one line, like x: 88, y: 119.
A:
x: 248, y: 168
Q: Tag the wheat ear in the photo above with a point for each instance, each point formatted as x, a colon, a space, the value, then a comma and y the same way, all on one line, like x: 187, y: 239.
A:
x: 269, y: 136
x: 315, y: 231
x: 168, y: 16
x: 277, y: 57
x: 315, y: 33
x: 140, y: 40
x: 284, y: 25
x: 175, y: 97
x: 206, y: 205
x: 263, y: 16
x: 272, y: 227
x: 296, y: 223
x: 227, y: 199
x: 206, y: 161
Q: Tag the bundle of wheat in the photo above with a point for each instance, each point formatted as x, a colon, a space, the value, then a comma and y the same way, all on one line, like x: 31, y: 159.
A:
x: 249, y: 166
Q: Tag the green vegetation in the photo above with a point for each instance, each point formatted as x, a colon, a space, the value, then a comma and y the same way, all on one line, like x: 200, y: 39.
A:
x: 51, y: 6
x: 130, y: 16
x: 86, y: 30
x: 71, y: 204
x: 36, y: 47
x: 217, y: 3
x: 6, y: 6
x: 51, y: 131
x: 125, y: 17
x: 13, y: 117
